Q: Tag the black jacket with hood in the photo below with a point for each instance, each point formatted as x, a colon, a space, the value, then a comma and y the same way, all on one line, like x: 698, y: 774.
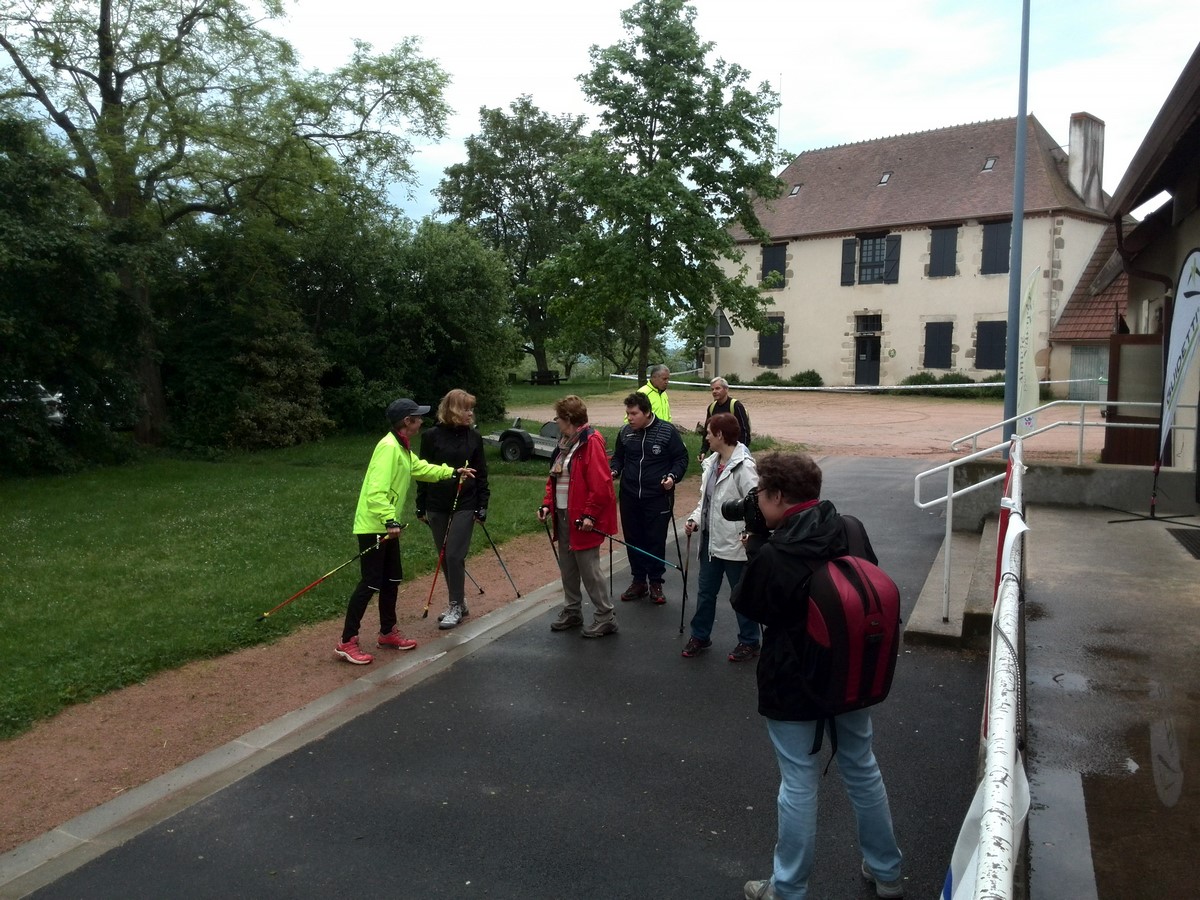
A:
x: 774, y: 592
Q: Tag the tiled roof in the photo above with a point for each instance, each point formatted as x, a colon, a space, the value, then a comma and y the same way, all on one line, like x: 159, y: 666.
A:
x: 936, y: 176
x: 1101, y: 296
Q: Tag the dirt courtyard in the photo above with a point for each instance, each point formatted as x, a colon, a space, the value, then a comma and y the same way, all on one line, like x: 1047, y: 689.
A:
x: 95, y: 751
x: 831, y: 423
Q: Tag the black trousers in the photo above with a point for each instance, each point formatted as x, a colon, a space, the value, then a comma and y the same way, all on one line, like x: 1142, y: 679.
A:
x: 381, y: 571
x: 645, y: 522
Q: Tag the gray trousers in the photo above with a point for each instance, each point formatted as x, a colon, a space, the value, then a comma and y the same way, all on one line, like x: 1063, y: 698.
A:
x: 581, y: 565
x: 454, y: 566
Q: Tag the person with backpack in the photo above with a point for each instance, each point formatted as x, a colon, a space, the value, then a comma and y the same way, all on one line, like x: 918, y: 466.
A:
x: 775, y: 590
x: 727, y: 475
x: 723, y: 403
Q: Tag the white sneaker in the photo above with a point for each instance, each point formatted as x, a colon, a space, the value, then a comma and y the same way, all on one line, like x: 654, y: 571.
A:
x: 463, y: 612
x: 451, y: 617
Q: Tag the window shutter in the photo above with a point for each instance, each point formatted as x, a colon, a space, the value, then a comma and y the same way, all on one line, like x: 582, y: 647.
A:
x: 937, y: 344
x: 943, y: 252
x: 996, y: 239
x: 891, y: 268
x: 770, y: 346
x: 849, y: 252
x: 990, y: 345
x: 774, y: 259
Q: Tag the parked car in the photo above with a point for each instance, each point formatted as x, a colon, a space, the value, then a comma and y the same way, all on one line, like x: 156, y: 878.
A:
x: 16, y: 393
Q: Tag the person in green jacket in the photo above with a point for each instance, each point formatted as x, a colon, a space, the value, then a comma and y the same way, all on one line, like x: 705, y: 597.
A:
x: 384, y: 490
x: 656, y: 389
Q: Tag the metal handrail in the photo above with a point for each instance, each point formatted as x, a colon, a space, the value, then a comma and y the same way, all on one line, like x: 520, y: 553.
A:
x: 948, y: 499
x: 1081, y: 424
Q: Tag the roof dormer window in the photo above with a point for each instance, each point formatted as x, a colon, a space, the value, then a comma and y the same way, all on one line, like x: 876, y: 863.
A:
x: 795, y: 190
x: 989, y: 163
x: 885, y: 177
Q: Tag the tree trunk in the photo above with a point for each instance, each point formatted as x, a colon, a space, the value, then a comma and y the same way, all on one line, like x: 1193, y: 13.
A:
x: 643, y: 351
x: 152, y: 401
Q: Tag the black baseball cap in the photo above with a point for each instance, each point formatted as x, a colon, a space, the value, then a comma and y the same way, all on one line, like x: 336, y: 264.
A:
x: 400, y: 409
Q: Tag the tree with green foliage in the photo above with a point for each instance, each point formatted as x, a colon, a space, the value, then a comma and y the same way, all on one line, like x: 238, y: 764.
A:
x: 683, y: 151
x: 513, y: 191
x: 171, y: 112
x: 60, y: 324
x: 433, y: 316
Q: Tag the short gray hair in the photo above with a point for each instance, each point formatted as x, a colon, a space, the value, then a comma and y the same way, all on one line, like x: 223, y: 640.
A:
x: 719, y: 380
x: 658, y: 369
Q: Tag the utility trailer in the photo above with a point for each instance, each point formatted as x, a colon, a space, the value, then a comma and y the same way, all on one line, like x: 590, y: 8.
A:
x: 516, y: 443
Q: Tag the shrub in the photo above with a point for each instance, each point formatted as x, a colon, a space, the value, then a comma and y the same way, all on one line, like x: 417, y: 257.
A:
x: 920, y: 378
x: 768, y: 377
x: 807, y: 378
x: 733, y: 378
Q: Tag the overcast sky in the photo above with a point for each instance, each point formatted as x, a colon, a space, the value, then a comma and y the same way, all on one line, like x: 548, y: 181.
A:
x: 846, y: 72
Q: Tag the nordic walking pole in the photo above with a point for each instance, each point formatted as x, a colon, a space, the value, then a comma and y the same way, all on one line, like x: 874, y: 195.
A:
x: 462, y: 476
x: 613, y: 537
x: 686, y: 561
x: 678, y: 552
x: 550, y: 537
x: 472, y: 577
x: 378, y: 540
x: 496, y: 550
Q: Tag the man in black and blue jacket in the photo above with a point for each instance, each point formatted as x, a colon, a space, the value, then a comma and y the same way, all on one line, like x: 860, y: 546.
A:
x: 650, y: 459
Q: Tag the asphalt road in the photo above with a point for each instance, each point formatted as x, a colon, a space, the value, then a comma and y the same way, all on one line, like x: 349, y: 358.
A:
x: 545, y: 766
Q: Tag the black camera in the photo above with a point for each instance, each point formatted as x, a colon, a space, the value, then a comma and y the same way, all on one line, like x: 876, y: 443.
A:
x: 746, y: 510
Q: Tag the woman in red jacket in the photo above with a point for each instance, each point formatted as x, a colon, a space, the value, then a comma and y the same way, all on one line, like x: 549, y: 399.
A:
x: 579, y: 494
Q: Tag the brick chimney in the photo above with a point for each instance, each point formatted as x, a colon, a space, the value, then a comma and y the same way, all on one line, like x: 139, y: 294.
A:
x: 1085, y: 158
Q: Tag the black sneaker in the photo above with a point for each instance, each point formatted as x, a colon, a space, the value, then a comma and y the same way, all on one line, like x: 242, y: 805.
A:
x: 634, y: 591
x: 656, y: 593
x: 743, y: 652
x: 694, y: 646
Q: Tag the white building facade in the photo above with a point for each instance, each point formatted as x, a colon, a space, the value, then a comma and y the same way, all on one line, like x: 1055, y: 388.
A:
x: 891, y: 257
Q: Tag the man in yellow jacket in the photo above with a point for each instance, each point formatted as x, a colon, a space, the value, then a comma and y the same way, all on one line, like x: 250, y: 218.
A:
x: 384, y: 491
x: 656, y: 389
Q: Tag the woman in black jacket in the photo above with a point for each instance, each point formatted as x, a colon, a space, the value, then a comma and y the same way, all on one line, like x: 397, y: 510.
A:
x: 450, y: 508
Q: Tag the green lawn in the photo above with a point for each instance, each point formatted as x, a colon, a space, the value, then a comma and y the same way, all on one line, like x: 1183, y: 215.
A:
x: 111, y: 575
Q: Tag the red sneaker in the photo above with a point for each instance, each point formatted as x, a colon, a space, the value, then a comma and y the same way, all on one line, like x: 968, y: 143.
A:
x: 396, y: 640
x: 350, y: 653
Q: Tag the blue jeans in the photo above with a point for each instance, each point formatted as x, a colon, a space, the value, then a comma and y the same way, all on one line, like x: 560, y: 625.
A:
x: 709, y: 584
x: 800, y: 777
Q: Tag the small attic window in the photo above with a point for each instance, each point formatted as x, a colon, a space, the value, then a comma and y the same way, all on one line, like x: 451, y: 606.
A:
x: 885, y: 177
x: 795, y: 190
x: 989, y: 163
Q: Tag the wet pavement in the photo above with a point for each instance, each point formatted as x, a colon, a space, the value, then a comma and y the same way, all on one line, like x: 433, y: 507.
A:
x: 1113, y: 696
x: 537, y: 765
x: 529, y: 764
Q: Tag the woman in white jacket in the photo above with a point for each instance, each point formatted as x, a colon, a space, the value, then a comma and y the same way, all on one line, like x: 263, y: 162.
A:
x: 728, y: 473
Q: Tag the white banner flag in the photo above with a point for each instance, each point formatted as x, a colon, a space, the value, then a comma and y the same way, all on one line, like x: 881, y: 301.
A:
x: 1027, y: 377
x: 1181, y: 346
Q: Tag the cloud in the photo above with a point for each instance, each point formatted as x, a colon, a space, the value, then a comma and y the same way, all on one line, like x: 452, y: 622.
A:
x: 846, y: 72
